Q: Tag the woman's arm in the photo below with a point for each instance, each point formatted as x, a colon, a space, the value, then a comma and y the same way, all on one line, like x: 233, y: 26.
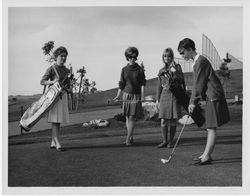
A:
x: 117, y: 95
x: 121, y: 85
x: 158, y: 92
x: 142, y: 93
x: 201, y: 73
x: 158, y: 89
x: 45, y: 79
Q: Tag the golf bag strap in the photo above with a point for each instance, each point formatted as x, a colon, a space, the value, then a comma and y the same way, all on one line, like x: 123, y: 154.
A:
x: 57, y: 75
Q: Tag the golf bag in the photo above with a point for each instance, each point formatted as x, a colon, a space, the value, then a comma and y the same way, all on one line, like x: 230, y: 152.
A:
x: 36, y: 111
x: 183, y: 98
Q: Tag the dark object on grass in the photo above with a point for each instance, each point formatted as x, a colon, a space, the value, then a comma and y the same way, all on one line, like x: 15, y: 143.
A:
x: 120, y: 117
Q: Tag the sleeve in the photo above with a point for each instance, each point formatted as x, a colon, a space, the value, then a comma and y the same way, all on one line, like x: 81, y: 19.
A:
x: 122, y: 82
x: 158, y: 89
x: 143, y: 78
x: 48, y: 74
x: 200, y: 77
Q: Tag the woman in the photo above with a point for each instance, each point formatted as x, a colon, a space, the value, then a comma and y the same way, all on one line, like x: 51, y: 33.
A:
x: 169, y: 108
x: 59, y: 112
x: 132, y: 83
x: 206, y: 86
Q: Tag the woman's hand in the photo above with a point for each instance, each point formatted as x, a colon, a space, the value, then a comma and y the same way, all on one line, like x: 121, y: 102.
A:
x: 191, y: 108
x: 54, y: 81
x: 116, y: 99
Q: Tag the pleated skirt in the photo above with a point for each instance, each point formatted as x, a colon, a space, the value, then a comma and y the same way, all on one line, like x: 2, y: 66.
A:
x: 59, y: 113
x: 216, y: 113
x: 132, y: 105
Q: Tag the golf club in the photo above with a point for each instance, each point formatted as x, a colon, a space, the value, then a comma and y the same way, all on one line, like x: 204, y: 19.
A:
x: 164, y: 161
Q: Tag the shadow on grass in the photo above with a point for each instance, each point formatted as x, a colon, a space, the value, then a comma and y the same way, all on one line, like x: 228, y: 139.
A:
x: 137, y: 144
x: 227, y: 160
x: 228, y: 140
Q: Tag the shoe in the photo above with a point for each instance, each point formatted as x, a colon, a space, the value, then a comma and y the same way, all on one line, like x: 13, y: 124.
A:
x: 170, y: 145
x: 128, y: 144
x: 131, y: 141
x: 52, y: 147
x: 200, y: 163
x: 198, y: 159
x: 162, y: 145
x: 60, y: 149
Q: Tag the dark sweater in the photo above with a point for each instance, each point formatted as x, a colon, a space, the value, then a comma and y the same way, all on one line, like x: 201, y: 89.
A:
x: 50, y: 73
x: 132, y: 78
x: 206, y: 84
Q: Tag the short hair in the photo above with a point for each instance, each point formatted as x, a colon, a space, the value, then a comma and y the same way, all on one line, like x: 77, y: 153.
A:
x: 131, y: 52
x: 168, y: 50
x: 59, y: 51
x: 186, y: 44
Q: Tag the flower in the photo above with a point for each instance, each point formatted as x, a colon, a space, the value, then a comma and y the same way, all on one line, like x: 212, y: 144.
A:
x: 47, y: 48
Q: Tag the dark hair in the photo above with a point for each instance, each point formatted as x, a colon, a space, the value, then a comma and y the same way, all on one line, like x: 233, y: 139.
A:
x: 131, y: 52
x: 168, y: 50
x: 59, y: 51
x: 186, y: 44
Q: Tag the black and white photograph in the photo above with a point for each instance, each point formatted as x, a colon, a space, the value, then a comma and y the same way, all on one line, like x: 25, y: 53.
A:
x: 116, y: 97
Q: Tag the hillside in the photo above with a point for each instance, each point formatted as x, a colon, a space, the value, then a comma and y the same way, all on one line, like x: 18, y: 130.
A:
x: 232, y: 87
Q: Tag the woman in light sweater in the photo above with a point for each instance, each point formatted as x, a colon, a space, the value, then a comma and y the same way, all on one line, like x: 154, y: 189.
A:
x: 169, y: 106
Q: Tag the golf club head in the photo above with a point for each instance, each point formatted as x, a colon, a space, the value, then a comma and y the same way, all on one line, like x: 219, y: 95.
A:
x: 165, y: 161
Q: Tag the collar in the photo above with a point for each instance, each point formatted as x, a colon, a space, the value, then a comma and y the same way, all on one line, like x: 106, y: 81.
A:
x: 196, y: 58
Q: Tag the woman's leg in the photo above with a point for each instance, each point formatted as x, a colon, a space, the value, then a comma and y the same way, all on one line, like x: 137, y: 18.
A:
x: 55, y: 129
x: 172, y: 132
x: 164, y: 132
x: 130, y: 122
x: 211, y: 140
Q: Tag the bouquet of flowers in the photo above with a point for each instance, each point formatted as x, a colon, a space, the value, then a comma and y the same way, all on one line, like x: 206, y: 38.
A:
x: 48, y: 51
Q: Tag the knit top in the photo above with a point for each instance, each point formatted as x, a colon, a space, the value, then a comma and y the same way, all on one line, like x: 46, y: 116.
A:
x: 132, y: 78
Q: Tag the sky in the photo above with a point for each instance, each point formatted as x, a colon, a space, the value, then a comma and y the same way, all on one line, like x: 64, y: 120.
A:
x: 96, y: 37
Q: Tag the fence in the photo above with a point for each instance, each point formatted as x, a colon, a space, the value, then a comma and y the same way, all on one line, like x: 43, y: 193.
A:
x: 210, y: 52
x: 185, y: 65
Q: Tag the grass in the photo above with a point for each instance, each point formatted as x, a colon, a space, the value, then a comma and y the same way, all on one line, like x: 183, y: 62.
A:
x: 97, y: 157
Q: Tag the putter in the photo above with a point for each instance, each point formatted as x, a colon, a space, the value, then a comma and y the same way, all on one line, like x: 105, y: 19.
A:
x: 164, y: 161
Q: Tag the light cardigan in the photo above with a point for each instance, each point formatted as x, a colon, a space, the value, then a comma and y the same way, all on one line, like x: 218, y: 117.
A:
x: 206, y: 84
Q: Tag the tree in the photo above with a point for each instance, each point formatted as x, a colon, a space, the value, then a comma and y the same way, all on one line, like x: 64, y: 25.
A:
x: 79, y: 89
x: 83, y: 87
x: 224, y: 72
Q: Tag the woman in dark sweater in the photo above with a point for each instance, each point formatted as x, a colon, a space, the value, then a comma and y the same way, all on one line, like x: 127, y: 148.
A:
x: 132, y: 84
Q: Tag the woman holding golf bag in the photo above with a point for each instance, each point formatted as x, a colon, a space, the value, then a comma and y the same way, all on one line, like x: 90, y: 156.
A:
x: 132, y: 83
x: 206, y: 86
x: 169, y: 108
x: 59, y: 112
